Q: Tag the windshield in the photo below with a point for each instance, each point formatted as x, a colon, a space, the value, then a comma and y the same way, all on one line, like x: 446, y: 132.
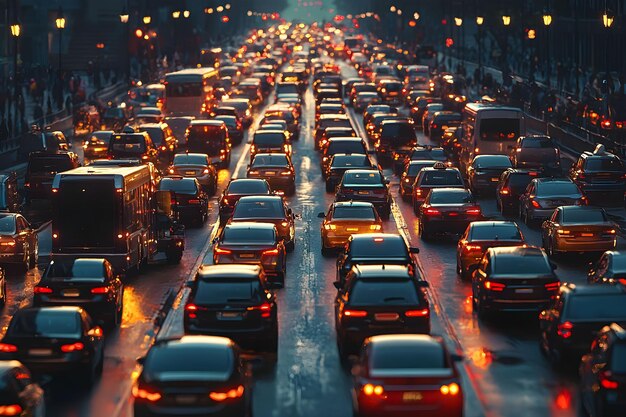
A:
x: 522, y: 265
x: 249, y: 235
x: 610, y: 307
x: 557, y: 188
x: 273, y: 160
x: 269, y: 139
x: 384, y: 293
x: 544, y: 143
x: 179, y: 185
x: 349, y: 161
x: 7, y: 224
x: 583, y: 216
x: 185, y: 159
x: 414, y: 169
x: 496, y: 161
x: 603, y: 164
x: 378, y: 248
x: 399, y: 133
x: 495, y: 232
x: 269, y: 209
x: 215, y: 291
x: 519, y: 182
x: 450, y: 197
x: 499, y: 129
x: 348, y: 212
x: 202, y: 359
x: 403, y: 357
x: 442, y: 177
x: 44, y: 323
x: 362, y: 178
x: 248, y: 187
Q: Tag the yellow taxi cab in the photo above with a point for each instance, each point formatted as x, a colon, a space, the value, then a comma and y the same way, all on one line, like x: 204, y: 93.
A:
x: 345, y: 219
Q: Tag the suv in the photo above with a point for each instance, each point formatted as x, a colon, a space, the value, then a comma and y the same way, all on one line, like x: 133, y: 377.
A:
x: 41, y: 169
x: 439, y: 176
x: 133, y: 146
x: 603, y: 373
x: 600, y: 174
x: 395, y: 135
x: 537, y: 152
x: 510, y: 187
x: 210, y: 137
x: 163, y: 138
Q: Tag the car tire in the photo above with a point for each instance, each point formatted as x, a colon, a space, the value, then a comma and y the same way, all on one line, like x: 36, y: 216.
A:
x: 3, y: 301
x: 271, y: 345
x: 211, y: 189
x: 26, y: 264
x: 424, y: 233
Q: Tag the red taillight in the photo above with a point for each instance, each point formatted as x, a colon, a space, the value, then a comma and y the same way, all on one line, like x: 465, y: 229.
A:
x: 286, y: 173
x: 418, y: 192
x: 7, y: 348
x: 11, y: 410
x: 494, y: 286
x: 505, y: 191
x: 472, y: 248
x: 606, y: 123
x: 194, y: 201
x: 233, y: 393
x: 473, y: 211
x: 42, y: 290
x: 432, y: 212
x: 146, y: 394
x: 265, y: 308
x: 355, y: 313
x: 565, y: 329
x: 206, y: 171
x: 553, y: 286
x: 219, y: 251
x: 417, y: 313
x: 606, y: 381
x: 270, y: 252
x: 581, y: 176
x: 100, y: 290
x: 535, y: 204
x: 72, y: 347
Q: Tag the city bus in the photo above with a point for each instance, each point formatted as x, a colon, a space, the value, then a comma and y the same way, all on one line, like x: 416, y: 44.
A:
x: 489, y: 129
x: 110, y: 212
x: 186, y: 91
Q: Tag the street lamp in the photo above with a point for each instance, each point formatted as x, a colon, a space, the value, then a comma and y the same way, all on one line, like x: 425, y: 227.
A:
x: 124, y: 16
x: 60, y: 24
x: 607, y: 22
x: 176, y: 14
x: 16, y: 30
x: 186, y: 14
x: 547, y: 21
x: 479, y: 22
x: 506, y: 20
x: 147, y: 20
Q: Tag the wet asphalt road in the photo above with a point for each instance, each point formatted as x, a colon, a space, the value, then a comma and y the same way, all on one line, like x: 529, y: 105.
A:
x: 504, y: 373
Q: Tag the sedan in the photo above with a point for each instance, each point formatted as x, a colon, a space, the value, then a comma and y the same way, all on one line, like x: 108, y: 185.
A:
x: 198, y: 166
x: 543, y: 195
x: 20, y: 395
x: 485, y: 170
x: 366, y: 185
x: 578, y: 229
x: 19, y: 243
x: 215, y: 381
x: 190, y: 201
x: 346, y: 219
x: 238, y: 188
x: 409, y: 174
x: 610, y: 268
x: 277, y: 169
x: 447, y: 210
x: 55, y: 340
x: 341, y: 162
x: 407, y: 375
x: 97, y: 146
x: 252, y: 243
x: 537, y: 152
x: 270, y: 141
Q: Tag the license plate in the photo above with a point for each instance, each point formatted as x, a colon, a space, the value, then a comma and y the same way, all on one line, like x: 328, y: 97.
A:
x: 453, y: 214
x: 246, y: 255
x: 386, y: 316
x: 363, y: 192
x: 185, y: 399
x: 586, y: 234
x: 412, y: 396
x: 495, y: 179
x: 190, y: 172
x: 71, y: 293
x: 352, y: 229
x: 524, y: 291
x: 229, y: 315
x: 40, y: 352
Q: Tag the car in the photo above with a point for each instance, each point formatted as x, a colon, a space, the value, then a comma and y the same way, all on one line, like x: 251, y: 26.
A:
x: 234, y: 127
x: 286, y: 112
x: 364, y: 99
x: 407, y: 178
x: 377, y: 108
x: 428, y: 114
x: 276, y: 124
x: 336, y: 132
x: 439, y: 176
x: 269, y: 141
x: 115, y: 118
x: 601, y: 176
x: 480, y: 236
x: 211, y: 369
x: 341, y: 162
x: 252, y: 243
x: 569, y: 324
x: 138, y: 145
x: 345, y: 219
x: 19, y: 243
x: 513, y: 279
x: 329, y: 120
x: 163, y: 138
x: 210, y: 137
x: 366, y: 185
x: 268, y: 209
x: 198, y: 166
x: 275, y: 168
x: 359, y: 88
x: 97, y: 145
x: 602, y: 372
x: 347, y: 145
x: 238, y: 188
x: 512, y: 184
x: 484, y: 172
x: 411, y: 95
x: 447, y: 210
x: 191, y: 203
x: 543, y: 195
x: 40, y: 171
x: 55, y: 340
x: 373, y: 128
x: 408, y: 375
x: 243, y: 108
x: 419, y: 107
x: 375, y: 249
x: 21, y: 394
x: 329, y: 108
x: 395, y: 136
x: 233, y: 301
x: 441, y: 121
x: 90, y: 283
x: 610, y: 268
x: 538, y: 152
x: 379, y: 299
x: 578, y: 229
x: 179, y: 125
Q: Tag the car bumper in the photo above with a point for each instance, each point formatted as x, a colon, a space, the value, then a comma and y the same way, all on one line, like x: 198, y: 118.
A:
x: 515, y: 305
x: 68, y: 363
x: 219, y: 410
x: 186, y: 212
x: 540, y: 214
x: 373, y: 407
x: 485, y: 183
x: 573, y: 245
x: 11, y: 258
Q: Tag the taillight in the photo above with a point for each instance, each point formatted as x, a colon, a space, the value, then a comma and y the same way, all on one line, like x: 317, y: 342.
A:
x: 11, y: 410
x: 472, y: 248
x: 473, y: 211
x: 206, y: 171
x: 505, y: 191
x: 606, y: 381
x: 432, y: 212
x: 371, y: 389
x: 552, y: 286
x: 265, y: 308
x: 535, y: 204
x: 355, y: 313
x: 7, y: 348
x: 494, y: 286
x: 418, y: 192
x: 565, y: 329
x: 417, y: 313
x: 329, y: 226
x: 270, y: 252
x: 285, y: 173
x: 42, y: 290
x: 8, y: 243
x: 219, y: 251
x: 171, y: 170
x: 146, y: 394
x: 72, y: 347
x: 450, y: 389
x: 230, y: 394
x: 375, y: 227
x: 100, y: 290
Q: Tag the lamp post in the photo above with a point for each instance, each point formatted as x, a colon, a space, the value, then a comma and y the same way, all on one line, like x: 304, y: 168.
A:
x: 458, y: 22
x: 124, y: 16
x: 506, y: 21
x: 16, y: 30
x: 60, y: 24
x: 479, y: 22
x: 547, y: 21
x: 607, y: 21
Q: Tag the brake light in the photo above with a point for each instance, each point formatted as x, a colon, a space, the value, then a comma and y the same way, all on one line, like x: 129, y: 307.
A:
x: 270, y: 252
x: 328, y: 226
x: 355, y: 313
x: 432, y: 212
x: 606, y: 381
x: 552, y: 286
x: 42, y: 290
x: 473, y: 211
x: 565, y: 329
x: 494, y: 286
x: 563, y: 232
x: 370, y: 389
x: 505, y: 191
x: 265, y: 308
x: 219, y: 251
x: 11, y: 410
x: 7, y: 348
x: 222, y: 396
x: 72, y: 347
x: 194, y: 201
x: 375, y: 227
x: 284, y: 224
x: 606, y: 123
x: 470, y: 248
x: 100, y: 290
x: 206, y: 171
x: 146, y: 394
x: 418, y: 192
x: 285, y: 173
x: 450, y: 389
x: 253, y: 172
x: 7, y: 243
x: 535, y: 204
x: 417, y: 313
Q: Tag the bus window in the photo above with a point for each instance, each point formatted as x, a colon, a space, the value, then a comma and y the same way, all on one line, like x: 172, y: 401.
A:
x: 183, y: 89
x: 499, y: 129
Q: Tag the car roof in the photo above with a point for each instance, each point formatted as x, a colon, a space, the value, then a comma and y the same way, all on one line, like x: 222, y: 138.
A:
x: 260, y: 198
x: 457, y: 190
x: 372, y: 236
x: 352, y: 204
x: 382, y: 271
x: 229, y: 271
x: 492, y: 223
x: 200, y: 340
x: 412, y: 340
x: 553, y: 180
x: 593, y: 289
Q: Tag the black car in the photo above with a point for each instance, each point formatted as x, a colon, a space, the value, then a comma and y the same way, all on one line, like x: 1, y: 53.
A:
x: 238, y: 188
x: 235, y: 301
x: 193, y: 375
x: 611, y: 267
x: 513, y: 279
x: 397, y: 136
x: 601, y: 176
x: 88, y: 283
x: 41, y: 169
x: 10, y: 199
x: 191, y: 203
x: 373, y: 249
x: 341, y: 145
x: 447, y: 210
x: 485, y: 170
x: 340, y: 163
x: 379, y: 299
x: 569, y: 324
x: 510, y: 187
x: 603, y: 373
x: 55, y: 340
x: 366, y: 185
x: 20, y: 395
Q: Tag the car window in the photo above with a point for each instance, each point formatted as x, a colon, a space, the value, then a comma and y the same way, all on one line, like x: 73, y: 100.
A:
x: 269, y: 139
x: 271, y: 209
x: 348, y: 212
x: 522, y: 265
x: 584, y: 216
x: 45, y: 323
x: 603, y: 164
x: 405, y: 357
x: 249, y: 235
x: 7, y: 224
x: 598, y: 306
x: 495, y: 232
x: 538, y: 143
x: 441, y: 177
x: 378, y: 247
x: 208, y: 360
x: 273, y: 160
x: 185, y: 159
x: 231, y: 291
x: 179, y: 186
x: 450, y: 197
x: 362, y: 178
x: 385, y: 293
x: 557, y: 188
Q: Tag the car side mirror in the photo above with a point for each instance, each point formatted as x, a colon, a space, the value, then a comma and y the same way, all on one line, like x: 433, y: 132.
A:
x: 414, y: 250
x: 423, y: 284
x: 321, y: 215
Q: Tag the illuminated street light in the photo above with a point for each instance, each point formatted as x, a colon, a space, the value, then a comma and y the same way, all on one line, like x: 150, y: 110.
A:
x: 399, y: 12
x: 480, y: 20
x: 458, y: 21
x: 506, y: 20
x: 209, y: 10
x: 60, y: 20
x: 227, y: 7
x: 16, y: 30
x: 220, y: 9
x: 547, y: 19
x: 607, y: 19
x: 176, y: 14
x: 186, y: 14
x: 147, y: 20
x: 249, y: 13
x: 392, y: 9
x: 416, y: 16
x: 124, y: 15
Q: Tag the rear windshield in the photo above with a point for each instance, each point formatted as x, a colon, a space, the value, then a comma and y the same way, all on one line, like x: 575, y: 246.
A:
x: 212, y: 291
x: 598, y: 306
x: 404, y: 357
x: 273, y: 160
x: 384, y: 293
x: 347, y: 212
x: 129, y: 143
x: 399, y: 133
x: 248, y: 187
x: 557, y: 188
x: 526, y: 265
x: 345, y: 147
x: 496, y: 232
x: 496, y: 161
x: 65, y: 271
x: 442, y: 177
x: 7, y: 224
x: 184, y: 159
x: 49, y: 164
x: 269, y: 139
x: 349, y: 161
x: 414, y: 169
x: 432, y: 154
x: 538, y: 143
x: 113, y: 113
x: 156, y: 134
x: 584, y: 216
x: 189, y: 359
x: 451, y: 197
x: 179, y: 186
x: 201, y: 131
x: 499, y: 129
x: 603, y: 164
x: 385, y: 248
x: 249, y: 235
x: 519, y: 182
x: 618, y: 358
x: 272, y: 209
x: 362, y: 178
x: 45, y: 323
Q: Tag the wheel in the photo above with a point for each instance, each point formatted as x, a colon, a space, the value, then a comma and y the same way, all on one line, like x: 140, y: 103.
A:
x: 100, y: 366
x: 416, y: 207
x: 120, y: 312
x: 272, y: 343
x: 3, y: 301
x: 26, y: 264
x: 424, y: 233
